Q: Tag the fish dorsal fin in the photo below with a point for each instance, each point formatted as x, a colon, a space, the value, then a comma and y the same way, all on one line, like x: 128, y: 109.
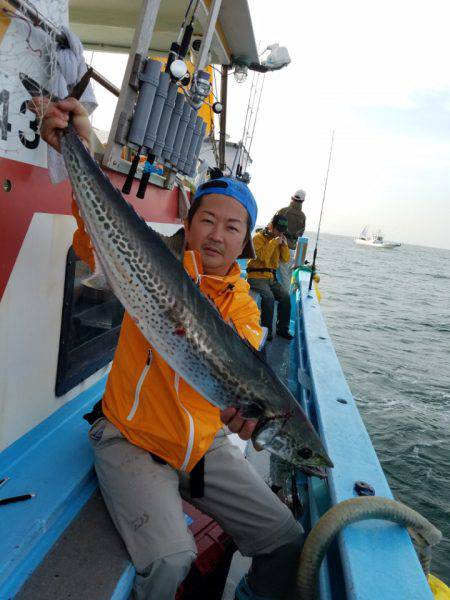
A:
x: 176, y: 243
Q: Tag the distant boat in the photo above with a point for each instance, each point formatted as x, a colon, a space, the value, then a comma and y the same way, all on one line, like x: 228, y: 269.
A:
x: 375, y: 240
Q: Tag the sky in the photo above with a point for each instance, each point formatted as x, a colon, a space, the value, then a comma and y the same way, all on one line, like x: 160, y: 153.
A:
x: 378, y: 74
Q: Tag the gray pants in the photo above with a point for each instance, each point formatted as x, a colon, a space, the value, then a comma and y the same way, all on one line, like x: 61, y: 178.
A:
x: 285, y: 271
x: 144, y: 500
x: 271, y: 290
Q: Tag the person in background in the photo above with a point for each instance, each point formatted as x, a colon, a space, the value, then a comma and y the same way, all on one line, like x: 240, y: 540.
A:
x: 271, y: 248
x: 296, y: 226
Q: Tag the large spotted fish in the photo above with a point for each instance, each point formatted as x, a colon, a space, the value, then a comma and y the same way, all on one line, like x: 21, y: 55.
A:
x: 151, y: 283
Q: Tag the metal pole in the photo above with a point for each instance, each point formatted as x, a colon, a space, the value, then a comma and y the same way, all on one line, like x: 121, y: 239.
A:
x: 235, y: 159
x: 104, y: 82
x: 207, y: 35
x: 223, y: 118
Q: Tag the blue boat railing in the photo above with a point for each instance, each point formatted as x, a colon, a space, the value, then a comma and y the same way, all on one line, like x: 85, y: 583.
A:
x: 376, y: 559
x: 54, y: 461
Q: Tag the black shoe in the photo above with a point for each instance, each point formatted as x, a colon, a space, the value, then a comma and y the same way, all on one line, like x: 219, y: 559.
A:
x: 284, y: 333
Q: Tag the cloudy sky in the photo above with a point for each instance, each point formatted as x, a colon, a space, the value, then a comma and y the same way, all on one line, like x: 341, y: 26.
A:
x: 379, y: 75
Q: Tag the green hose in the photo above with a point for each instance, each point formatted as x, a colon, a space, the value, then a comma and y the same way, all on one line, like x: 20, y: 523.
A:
x: 352, y: 511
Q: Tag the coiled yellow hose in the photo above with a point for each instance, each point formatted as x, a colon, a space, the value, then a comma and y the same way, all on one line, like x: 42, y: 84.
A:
x: 352, y: 511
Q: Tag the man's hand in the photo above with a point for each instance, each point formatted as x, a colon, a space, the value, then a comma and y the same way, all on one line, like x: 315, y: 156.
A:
x: 56, y: 117
x: 237, y: 424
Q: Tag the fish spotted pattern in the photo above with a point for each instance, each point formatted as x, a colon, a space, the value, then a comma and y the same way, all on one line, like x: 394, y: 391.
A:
x: 179, y: 321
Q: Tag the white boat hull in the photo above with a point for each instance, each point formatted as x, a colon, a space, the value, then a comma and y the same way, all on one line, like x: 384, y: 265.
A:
x: 378, y: 245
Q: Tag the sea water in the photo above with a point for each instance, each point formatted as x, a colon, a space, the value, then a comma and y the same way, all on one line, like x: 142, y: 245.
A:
x: 388, y: 314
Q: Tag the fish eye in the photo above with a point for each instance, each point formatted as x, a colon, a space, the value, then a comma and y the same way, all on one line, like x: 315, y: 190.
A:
x: 305, y: 452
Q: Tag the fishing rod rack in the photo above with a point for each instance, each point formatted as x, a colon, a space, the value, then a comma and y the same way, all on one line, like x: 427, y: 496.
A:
x: 164, y: 124
x: 157, y: 114
x: 156, y: 117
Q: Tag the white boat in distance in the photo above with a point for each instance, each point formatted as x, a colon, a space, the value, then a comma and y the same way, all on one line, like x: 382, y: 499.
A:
x: 375, y: 240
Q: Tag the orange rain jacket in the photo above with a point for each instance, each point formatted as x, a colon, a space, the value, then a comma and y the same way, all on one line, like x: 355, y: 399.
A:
x: 144, y: 398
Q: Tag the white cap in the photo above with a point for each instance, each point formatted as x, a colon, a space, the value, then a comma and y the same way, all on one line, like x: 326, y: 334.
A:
x: 299, y: 195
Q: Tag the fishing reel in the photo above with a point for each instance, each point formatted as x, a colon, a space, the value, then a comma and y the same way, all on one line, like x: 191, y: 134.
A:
x: 198, y: 92
x: 200, y: 89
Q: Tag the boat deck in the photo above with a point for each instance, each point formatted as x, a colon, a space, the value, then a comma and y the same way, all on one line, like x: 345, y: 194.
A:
x: 78, y: 562
x: 63, y: 541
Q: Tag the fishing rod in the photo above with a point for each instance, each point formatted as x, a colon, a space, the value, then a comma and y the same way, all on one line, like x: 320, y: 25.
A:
x: 244, y: 131
x: 185, y: 18
x: 247, y: 158
x: 248, y: 122
x: 179, y: 48
x: 313, y: 267
x: 188, y: 32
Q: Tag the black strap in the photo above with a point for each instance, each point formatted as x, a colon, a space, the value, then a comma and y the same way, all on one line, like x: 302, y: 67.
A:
x: 95, y: 414
x: 273, y: 271
x: 197, y: 479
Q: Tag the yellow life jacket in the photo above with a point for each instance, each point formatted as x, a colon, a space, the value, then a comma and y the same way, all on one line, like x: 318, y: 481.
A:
x: 269, y: 254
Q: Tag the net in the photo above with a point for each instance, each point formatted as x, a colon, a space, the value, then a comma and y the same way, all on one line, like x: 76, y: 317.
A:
x: 26, y: 49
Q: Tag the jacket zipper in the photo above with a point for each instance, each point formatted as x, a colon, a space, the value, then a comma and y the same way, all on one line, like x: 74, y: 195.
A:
x: 190, y: 444
x: 139, y: 386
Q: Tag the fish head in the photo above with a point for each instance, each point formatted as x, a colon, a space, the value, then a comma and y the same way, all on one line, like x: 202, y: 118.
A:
x: 294, y: 439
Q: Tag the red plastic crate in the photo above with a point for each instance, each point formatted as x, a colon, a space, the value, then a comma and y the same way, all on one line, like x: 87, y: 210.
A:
x: 207, y: 577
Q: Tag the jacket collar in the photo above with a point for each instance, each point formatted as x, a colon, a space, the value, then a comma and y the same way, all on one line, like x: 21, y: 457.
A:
x: 232, y: 280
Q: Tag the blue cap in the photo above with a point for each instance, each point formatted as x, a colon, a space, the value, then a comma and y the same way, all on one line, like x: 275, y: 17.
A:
x: 233, y: 188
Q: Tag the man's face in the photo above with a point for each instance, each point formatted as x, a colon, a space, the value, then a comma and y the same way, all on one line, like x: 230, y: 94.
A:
x: 218, y: 231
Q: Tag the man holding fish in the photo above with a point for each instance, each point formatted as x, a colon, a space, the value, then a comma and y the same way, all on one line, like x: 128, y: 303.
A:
x: 179, y: 374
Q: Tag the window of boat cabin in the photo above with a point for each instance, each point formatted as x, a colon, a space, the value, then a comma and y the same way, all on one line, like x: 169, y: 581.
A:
x: 90, y: 326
